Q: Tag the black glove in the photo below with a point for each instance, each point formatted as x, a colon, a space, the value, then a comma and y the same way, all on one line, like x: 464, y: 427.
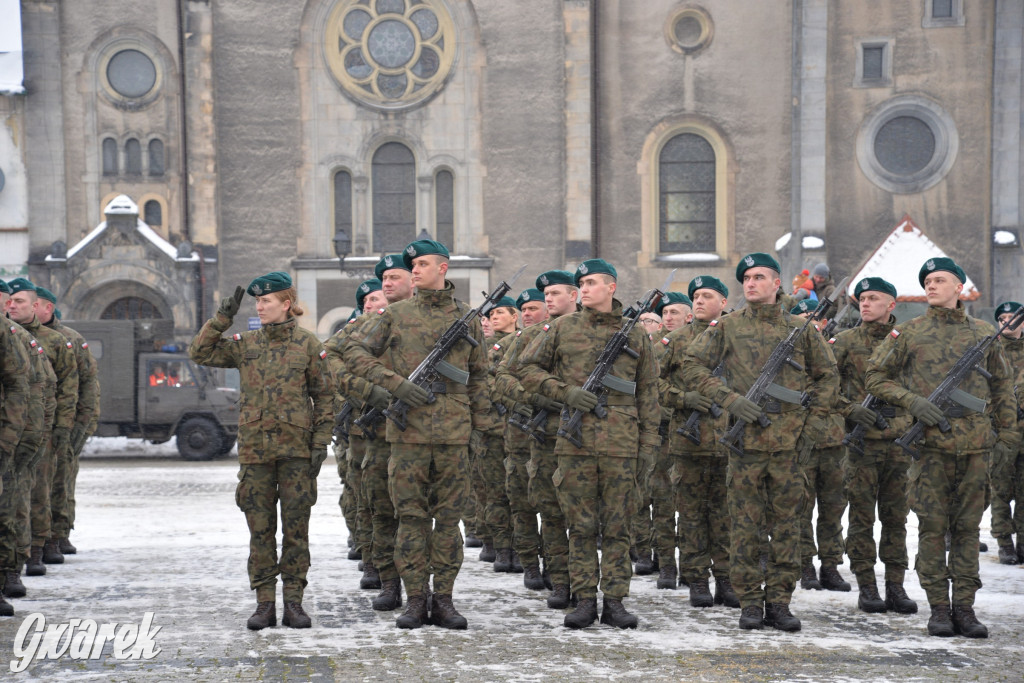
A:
x: 379, y: 397
x: 524, y: 411
x: 696, y: 401
x: 925, y: 411
x: 745, y: 409
x: 411, y: 394
x: 579, y: 398
x: 544, y: 403
x: 865, y: 417
x: 78, y: 437
x: 229, y: 304
x: 316, y: 460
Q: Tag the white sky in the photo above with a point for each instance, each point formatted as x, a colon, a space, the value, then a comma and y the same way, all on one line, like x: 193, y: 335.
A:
x: 11, y: 73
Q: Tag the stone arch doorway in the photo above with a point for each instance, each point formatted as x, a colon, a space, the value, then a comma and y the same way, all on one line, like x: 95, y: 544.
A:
x: 130, y: 308
x: 124, y: 300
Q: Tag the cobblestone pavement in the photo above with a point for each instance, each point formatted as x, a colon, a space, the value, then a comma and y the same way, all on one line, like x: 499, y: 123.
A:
x: 163, y: 536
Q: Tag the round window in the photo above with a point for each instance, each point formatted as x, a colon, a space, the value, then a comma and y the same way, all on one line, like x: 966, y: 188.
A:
x: 390, y: 53
x: 131, y: 73
x: 688, y: 30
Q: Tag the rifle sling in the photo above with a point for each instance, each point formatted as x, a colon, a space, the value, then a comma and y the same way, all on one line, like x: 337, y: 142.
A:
x: 623, y: 386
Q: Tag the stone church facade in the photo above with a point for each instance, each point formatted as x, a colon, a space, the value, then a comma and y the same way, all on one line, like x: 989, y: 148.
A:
x: 253, y: 136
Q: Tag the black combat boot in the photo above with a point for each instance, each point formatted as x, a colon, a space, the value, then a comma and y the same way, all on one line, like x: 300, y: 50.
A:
x: 1007, y: 553
x: 371, y: 577
x: 264, y: 616
x: 777, y: 615
x: 295, y: 616
x: 831, y: 579
x: 645, y: 565
x: 982, y: 547
x: 532, y: 578
x: 444, y: 614
x: 700, y: 593
x: 502, y: 560
x: 941, y: 622
x: 614, y: 614
x: 487, y: 553
x: 51, y: 553
x: 965, y: 622
x: 683, y: 581
x: 584, y: 615
x: 724, y: 593
x: 472, y: 541
x: 13, y: 587
x: 355, y: 554
x: 633, y: 554
x: 390, y: 596
x: 547, y: 577
x: 517, y: 565
x: 6, y: 608
x: 667, y: 577
x: 559, y: 598
x: 35, y: 566
x: 809, y: 577
x: 869, y: 600
x: 752, y: 617
x: 1020, y: 550
x: 897, y: 600
x: 416, y: 613
x: 65, y: 547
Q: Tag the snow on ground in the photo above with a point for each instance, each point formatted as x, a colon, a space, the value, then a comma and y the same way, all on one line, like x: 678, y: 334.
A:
x: 163, y: 535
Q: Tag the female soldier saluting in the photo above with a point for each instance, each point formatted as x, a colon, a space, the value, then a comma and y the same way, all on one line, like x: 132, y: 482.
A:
x: 284, y: 426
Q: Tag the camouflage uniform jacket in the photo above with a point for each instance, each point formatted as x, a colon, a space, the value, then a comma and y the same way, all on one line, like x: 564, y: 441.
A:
x: 675, y: 344
x: 562, y: 356
x: 507, y: 385
x: 60, y: 352
x: 42, y: 382
x: 743, y: 341
x: 14, y: 378
x: 835, y: 428
x: 918, y: 354
x: 287, y: 397
x: 88, y: 406
x: 386, y: 352
x: 350, y: 386
x: 852, y: 349
x: 1014, y: 350
x: 496, y: 350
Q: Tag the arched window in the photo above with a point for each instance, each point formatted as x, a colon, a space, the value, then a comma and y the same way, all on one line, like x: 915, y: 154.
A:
x: 153, y: 213
x: 686, y: 189
x: 109, y: 156
x: 133, y: 157
x: 444, y: 208
x: 343, y: 202
x: 130, y: 308
x: 394, y: 197
x: 156, y: 157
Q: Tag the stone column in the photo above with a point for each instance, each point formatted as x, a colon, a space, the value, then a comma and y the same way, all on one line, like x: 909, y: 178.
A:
x: 578, y: 129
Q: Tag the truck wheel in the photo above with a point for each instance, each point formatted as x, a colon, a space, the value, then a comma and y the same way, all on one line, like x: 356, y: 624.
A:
x: 227, y: 443
x: 199, y: 439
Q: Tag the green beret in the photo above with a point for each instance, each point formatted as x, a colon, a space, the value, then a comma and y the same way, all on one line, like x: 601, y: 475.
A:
x: 594, y: 266
x: 672, y: 298
x: 20, y: 284
x: 874, y: 284
x: 4, y: 288
x: 1005, y: 307
x: 805, y: 306
x: 57, y: 313
x: 422, y: 248
x: 389, y: 262
x: 941, y: 263
x: 371, y: 285
x: 269, y: 283
x: 707, y: 282
x: 47, y: 294
x: 555, y: 277
x: 529, y: 295
x: 504, y: 302
x: 753, y: 261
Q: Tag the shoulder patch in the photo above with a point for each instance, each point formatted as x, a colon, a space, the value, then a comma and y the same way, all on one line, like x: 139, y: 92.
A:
x: 13, y: 329
x: 832, y: 340
x: 40, y: 350
x: 713, y: 323
x: 895, y: 333
x: 68, y: 344
x: 547, y: 327
x: 323, y: 354
x: 236, y: 337
x: 496, y: 347
x: 85, y: 345
x: 665, y: 341
x: 33, y: 343
x: 518, y: 332
x: 380, y: 311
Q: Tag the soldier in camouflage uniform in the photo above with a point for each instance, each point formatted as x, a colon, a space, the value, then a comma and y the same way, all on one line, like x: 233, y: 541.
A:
x: 876, y: 474
x: 697, y: 471
x: 1008, y: 481
x: 428, y: 472
x: 284, y: 427
x: 597, y: 483
x: 765, y: 479
x: 559, y: 289
x: 948, y: 485
x: 62, y: 495
x: 22, y: 308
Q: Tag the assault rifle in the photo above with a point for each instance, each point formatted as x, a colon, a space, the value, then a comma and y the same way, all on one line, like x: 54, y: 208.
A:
x: 341, y: 422
x: 691, y: 430
x: 601, y: 378
x: 434, y: 366
x: 833, y: 323
x: 855, y: 439
x: 368, y: 421
x: 764, y: 386
x: 948, y: 391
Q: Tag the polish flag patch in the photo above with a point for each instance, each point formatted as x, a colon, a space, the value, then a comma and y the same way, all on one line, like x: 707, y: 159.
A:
x: 713, y: 323
x: 236, y: 337
x: 380, y: 311
x: 664, y: 340
x: 547, y: 327
x: 496, y: 347
x: 895, y: 333
x: 518, y: 332
x: 832, y: 340
x: 85, y: 345
x: 323, y: 354
x: 69, y: 345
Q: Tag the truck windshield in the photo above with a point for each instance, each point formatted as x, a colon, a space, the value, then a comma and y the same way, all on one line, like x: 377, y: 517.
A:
x: 170, y: 374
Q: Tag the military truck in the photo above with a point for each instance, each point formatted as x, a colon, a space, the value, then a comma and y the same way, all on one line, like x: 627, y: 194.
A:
x: 149, y: 389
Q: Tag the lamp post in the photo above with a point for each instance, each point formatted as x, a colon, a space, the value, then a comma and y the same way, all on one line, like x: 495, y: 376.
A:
x: 342, y: 247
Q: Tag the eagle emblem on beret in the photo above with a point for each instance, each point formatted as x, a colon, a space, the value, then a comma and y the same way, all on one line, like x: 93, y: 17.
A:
x: 257, y: 290
x: 930, y: 264
x: 749, y: 260
x: 544, y: 280
x: 864, y: 284
x: 583, y: 268
x: 364, y: 287
x: 410, y: 250
x: 698, y: 281
x: 526, y: 296
x: 388, y: 261
x: 1006, y: 308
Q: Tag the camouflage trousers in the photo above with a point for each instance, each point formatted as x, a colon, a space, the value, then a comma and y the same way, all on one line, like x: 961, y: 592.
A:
x: 357, y: 515
x: 525, y: 533
x: 948, y: 492
x: 1008, y: 487
x: 60, y: 502
x: 663, y: 509
x: 554, y: 538
x: 472, y: 514
x: 382, y: 511
x: 825, y: 484
x: 489, y: 483
x: 41, y: 514
x: 429, y: 484
x: 766, y: 491
x: 259, y: 489
x: 702, y: 501
x: 13, y: 481
x: 598, y: 496
x: 877, y: 478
